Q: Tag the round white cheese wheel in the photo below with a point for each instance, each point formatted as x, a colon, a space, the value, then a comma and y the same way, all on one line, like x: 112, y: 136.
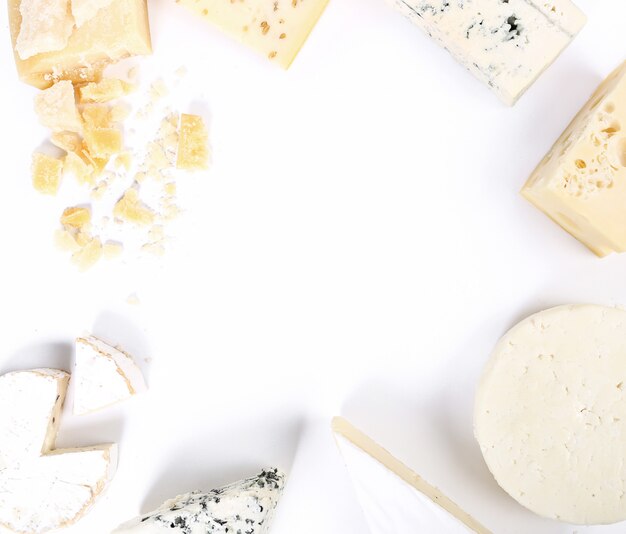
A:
x: 550, y: 414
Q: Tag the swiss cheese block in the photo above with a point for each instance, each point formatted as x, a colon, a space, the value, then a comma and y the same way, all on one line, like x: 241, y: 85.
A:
x: 42, y: 488
x: 581, y: 182
x: 275, y: 28
x: 118, y: 30
x: 395, y: 500
x: 550, y: 413
x: 506, y: 44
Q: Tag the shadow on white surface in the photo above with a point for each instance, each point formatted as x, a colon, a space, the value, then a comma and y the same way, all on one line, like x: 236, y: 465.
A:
x: 188, y: 471
x: 55, y: 355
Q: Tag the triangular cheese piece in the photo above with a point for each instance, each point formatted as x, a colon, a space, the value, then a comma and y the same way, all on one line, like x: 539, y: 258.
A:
x: 395, y: 500
x: 246, y: 506
x: 43, y: 489
x: 103, y: 375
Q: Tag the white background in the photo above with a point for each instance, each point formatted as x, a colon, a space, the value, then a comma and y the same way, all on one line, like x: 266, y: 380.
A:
x: 357, y: 248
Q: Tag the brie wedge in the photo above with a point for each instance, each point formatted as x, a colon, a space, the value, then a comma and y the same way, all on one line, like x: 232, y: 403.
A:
x: 103, y: 375
x: 42, y: 489
x: 395, y: 500
x: 246, y: 507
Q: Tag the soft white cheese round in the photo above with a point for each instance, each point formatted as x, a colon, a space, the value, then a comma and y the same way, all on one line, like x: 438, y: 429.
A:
x: 550, y: 414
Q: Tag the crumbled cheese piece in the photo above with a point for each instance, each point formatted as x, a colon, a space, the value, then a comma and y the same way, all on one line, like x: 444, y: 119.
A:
x: 46, y: 26
x: 65, y: 241
x: 193, y: 152
x: 112, y: 250
x: 82, y: 170
x: 119, y: 112
x: 47, y: 173
x: 88, y: 255
x: 98, y: 163
x: 84, y: 10
x: 158, y: 90
x: 124, y: 159
x: 56, y: 108
x: 170, y: 188
x: 154, y: 248
x: 96, y: 116
x: 68, y: 141
x: 75, y: 217
x: 133, y: 299
x: 181, y: 71
x: 104, y: 90
x: 130, y: 208
x: 103, y: 142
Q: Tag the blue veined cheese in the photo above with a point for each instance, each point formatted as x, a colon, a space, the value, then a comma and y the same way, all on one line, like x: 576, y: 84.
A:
x: 396, y: 500
x: 246, y: 507
x: 507, y: 44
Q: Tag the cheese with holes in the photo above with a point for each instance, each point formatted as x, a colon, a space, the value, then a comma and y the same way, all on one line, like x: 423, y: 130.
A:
x: 275, y: 28
x: 116, y: 31
x: 42, y: 488
x: 550, y: 413
x: 246, y: 506
x: 506, y: 44
x: 581, y: 183
x: 395, y: 500
x: 56, y: 108
x: 103, y: 375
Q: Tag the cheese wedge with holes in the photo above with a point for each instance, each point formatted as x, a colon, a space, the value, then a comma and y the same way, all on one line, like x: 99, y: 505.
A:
x: 118, y: 30
x: 42, y: 488
x: 550, y: 414
x: 275, y: 28
x: 395, y: 500
x: 505, y: 44
x: 581, y: 182
x: 103, y: 375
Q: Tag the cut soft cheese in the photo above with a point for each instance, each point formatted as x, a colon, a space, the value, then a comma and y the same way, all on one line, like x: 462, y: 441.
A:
x: 246, y: 506
x: 275, y: 28
x: 42, y: 489
x: 505, y: 44
x: 550, y: 413
x: 103, y: 375
x: 581, y: 183
x: 118, y: 30
x: 395, y: 500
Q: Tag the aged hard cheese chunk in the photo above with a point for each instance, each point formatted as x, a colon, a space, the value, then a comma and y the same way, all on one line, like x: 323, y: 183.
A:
x: 581, y: 183
x: 103, y: 375
x: 505, y: 44
x: 56, y: 108
x: 47, y: 173
x: 246, y: 507
x: 46, y: 27
x: 275, y: 28
x: 42, y: 489
x: 395, y: 500
x: 193, y: 151
x: 550, y: 413
x: 118, y: 31
x: 104, y: 90
x: 84, y: 10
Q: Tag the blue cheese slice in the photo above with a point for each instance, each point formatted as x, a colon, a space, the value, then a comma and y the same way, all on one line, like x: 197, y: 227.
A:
x: 507, y: 44
x: 246, y: 507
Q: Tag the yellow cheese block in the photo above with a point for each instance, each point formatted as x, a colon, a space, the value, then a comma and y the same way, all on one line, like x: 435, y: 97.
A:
x: 581, y: 183
x: 117, y: 31
x: 275, y: 28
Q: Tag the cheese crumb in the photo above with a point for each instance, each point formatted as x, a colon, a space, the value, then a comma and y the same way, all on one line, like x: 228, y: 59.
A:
x: 82, y: 170
x: 103, y: 142
x: 96, y: 116
x: 68, y: 141
x: 112, y: 250
x: 119, y: 112
x: 56, y: 108
x: 88, y: 255
x: 65, y: 241
x: 104, y: 90
x: 125, y: 159
x: 131, y: 209
x: 75, y: 217
x: 46, y: 173
x: 133, y: 299
x: 193, y: 153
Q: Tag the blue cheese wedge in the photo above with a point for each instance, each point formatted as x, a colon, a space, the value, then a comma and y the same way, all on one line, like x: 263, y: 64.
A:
x: 395, y: 500
x: 246, y: 507
x: 507, y: 44
x: 42, y: 488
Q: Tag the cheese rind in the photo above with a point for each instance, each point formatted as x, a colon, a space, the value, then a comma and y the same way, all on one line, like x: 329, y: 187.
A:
x: 245, y: 506
x: 395, y: 500
x: 103, y: 375
x: 506, y: 45
x: 581, y: 182
x: 42, y: 489
x: 550, y: 413
x: 118, y: 31
x: 276, y: 28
